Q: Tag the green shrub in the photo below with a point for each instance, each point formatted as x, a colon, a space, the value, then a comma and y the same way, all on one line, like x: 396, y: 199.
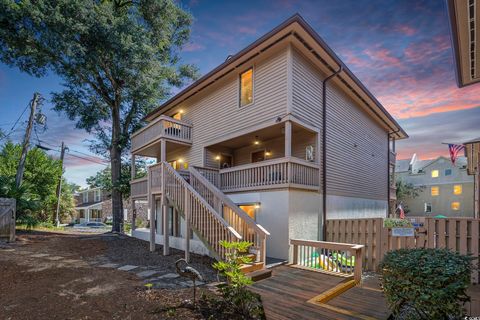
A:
x: 426, y: 283
x: 28, y: 221
x: 237, y: 301
x: 396, y: 223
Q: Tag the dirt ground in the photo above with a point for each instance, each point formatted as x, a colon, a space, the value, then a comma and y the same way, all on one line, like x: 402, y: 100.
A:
x: 67, y: 282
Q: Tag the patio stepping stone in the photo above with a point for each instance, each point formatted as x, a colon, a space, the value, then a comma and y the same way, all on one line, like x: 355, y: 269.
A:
x: 109, y: 265
x: 128, y: 267
x: 39, y: 255
x: 55, y: 258
x: 72, y: 261
x: 24, y: 252
x: 169, y: 276
x: 146, y: 273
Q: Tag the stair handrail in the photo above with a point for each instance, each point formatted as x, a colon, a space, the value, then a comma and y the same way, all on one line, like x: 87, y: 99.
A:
x: 226, y: 200
x: 186, y: 185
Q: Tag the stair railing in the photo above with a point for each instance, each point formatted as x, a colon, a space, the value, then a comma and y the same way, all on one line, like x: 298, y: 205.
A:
x: 231, y: 213
x: 205, y: 220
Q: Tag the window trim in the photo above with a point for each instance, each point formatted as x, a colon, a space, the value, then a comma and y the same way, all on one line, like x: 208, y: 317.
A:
x: 239, y: 92
x: 455, y: 202
x: 450, y: 172
x: 253, y: 204
x: 438, y: 173
x: 427, y: 204
x: 437, y: 193
x: 85, y: 197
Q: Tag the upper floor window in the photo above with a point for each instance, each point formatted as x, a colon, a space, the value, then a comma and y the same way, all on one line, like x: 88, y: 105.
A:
x: 428, y: 207
x: 457, y: 189
x: 97, y: 195
x: 455, y: 206
x: 434, y: 191
x: 85, y: 197
x: 246, y: 87
x: 448, y: 172
x: 435, y: 173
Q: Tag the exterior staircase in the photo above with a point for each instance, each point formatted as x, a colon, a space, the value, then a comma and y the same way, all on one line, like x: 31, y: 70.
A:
x: 210, y: 213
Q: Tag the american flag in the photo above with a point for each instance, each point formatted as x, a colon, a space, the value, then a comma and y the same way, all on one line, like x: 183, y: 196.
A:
x: 454, y: 149
x: 401, y: 212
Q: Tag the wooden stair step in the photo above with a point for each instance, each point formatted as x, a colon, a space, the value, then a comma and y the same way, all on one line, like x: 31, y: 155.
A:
x: 251, y: 267
x: 260, y: 274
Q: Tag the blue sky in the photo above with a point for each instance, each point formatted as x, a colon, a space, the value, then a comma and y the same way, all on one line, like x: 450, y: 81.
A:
x: 399, y: 49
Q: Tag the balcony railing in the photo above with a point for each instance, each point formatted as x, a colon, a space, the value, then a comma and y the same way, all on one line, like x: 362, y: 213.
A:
x: 276, y: 173
x: 139, y: 188
x: 162, y: 127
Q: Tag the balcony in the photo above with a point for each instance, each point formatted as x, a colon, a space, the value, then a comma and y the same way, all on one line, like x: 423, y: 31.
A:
x: 173, y: 130
x: 287, y: 172
x: 139, y: 188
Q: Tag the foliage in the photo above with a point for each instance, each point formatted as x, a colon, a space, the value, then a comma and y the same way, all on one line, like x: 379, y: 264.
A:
x: 103, y: 178
x: 117, y: 58
x: 237, y: 302
x: 36, y: 196
x: 28, y: 221
x: 431, y: 283
x: 406, y: 191
x: 396, y: 223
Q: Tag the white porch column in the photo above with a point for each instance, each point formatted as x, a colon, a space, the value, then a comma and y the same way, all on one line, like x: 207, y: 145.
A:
x: 187, y: 226
x: 288, y: 139
x: 166, y: 231
x: 88, y: 215
x: 151, y: 208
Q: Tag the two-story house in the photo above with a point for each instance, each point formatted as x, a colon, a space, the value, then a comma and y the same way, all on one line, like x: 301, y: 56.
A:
x: 89, y: 205
x: 446, y: 188
x: 265, y: 148
x: 95, y: 204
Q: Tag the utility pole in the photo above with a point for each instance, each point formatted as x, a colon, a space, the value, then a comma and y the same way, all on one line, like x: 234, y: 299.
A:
x: 23, y: 157
x: 59, y: 187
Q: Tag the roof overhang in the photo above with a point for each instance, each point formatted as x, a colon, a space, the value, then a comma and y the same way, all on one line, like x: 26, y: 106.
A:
x: 464, y: 16
x: 298, y: 32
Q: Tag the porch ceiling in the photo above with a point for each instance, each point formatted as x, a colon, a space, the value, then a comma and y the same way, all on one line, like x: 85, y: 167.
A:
x: 263, y: 134
x: 153, y: 150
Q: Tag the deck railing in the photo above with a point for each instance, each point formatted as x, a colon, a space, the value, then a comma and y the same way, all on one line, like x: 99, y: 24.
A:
x: 329, y: 257
x: 276, y: 173
x: 139, y: 188
x: 155, y: 177
x: 162, y: 127
x: 212, y: 175
x: 231, y: 213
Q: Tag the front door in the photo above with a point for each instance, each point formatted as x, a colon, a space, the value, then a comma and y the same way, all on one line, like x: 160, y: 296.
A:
x: 258, y: 156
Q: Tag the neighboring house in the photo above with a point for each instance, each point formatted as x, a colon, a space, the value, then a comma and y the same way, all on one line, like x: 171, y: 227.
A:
x: 240, y: 150
x: 448, y: 189
x: 95, y: 204
x: 89, y: 205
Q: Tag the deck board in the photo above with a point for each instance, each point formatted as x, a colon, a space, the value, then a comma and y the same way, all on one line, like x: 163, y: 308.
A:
x: 286, y: 293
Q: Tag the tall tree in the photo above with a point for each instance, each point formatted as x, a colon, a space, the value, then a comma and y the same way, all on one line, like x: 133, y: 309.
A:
x: 406, y: 191
x: 117, y: 58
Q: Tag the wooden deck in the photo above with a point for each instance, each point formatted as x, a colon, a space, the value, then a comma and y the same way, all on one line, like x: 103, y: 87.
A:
x: 286, y: 293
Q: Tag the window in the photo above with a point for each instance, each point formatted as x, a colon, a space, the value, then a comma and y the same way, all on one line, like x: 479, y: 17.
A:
x: 434, y: 173
x: 434, y: 191
x: 448, y: 172
x: 85, y: 197
x: 457, y: 189
x: 249, y: 209
x: 258, y: 156
x: 246, y: 87
x: 428, y: 207
x: 455, y: 206
x: 177, y: 116
x: 96, y: 195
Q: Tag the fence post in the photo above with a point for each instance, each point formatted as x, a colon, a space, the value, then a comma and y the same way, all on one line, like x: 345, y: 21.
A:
x: 357, y: 272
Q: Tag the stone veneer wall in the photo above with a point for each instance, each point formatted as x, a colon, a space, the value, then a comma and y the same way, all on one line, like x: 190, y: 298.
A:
x: 140, y: 206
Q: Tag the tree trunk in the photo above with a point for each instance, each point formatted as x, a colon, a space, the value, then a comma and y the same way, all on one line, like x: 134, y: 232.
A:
x: 116, y: 164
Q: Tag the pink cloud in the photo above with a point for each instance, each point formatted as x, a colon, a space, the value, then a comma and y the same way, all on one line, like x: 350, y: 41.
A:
x: 247, y: 30
x: 406, y: 30
x: 191, y: 47
x: 383, y: 56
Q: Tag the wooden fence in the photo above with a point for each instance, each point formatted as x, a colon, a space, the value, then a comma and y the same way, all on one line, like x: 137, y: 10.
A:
x: 7, y: 219
x: 458, y: 234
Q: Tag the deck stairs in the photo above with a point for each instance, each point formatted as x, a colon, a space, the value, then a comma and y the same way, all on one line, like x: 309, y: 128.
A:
x: 213, y: 216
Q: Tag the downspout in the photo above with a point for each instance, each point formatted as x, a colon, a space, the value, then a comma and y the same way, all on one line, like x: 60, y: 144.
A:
x: 324, y: 150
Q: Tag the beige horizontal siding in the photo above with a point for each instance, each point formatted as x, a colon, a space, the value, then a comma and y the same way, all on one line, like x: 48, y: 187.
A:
x: 216, y: 112
x: 353, y: 171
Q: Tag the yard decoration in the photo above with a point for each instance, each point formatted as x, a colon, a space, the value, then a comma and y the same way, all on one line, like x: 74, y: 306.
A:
x: 188, y: 272
x: 426, y: 283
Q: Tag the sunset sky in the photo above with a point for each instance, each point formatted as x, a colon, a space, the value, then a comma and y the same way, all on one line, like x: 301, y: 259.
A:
x: 399, y: 49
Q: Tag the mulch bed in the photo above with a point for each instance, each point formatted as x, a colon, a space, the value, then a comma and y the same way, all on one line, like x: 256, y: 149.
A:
x: 34, y: 289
